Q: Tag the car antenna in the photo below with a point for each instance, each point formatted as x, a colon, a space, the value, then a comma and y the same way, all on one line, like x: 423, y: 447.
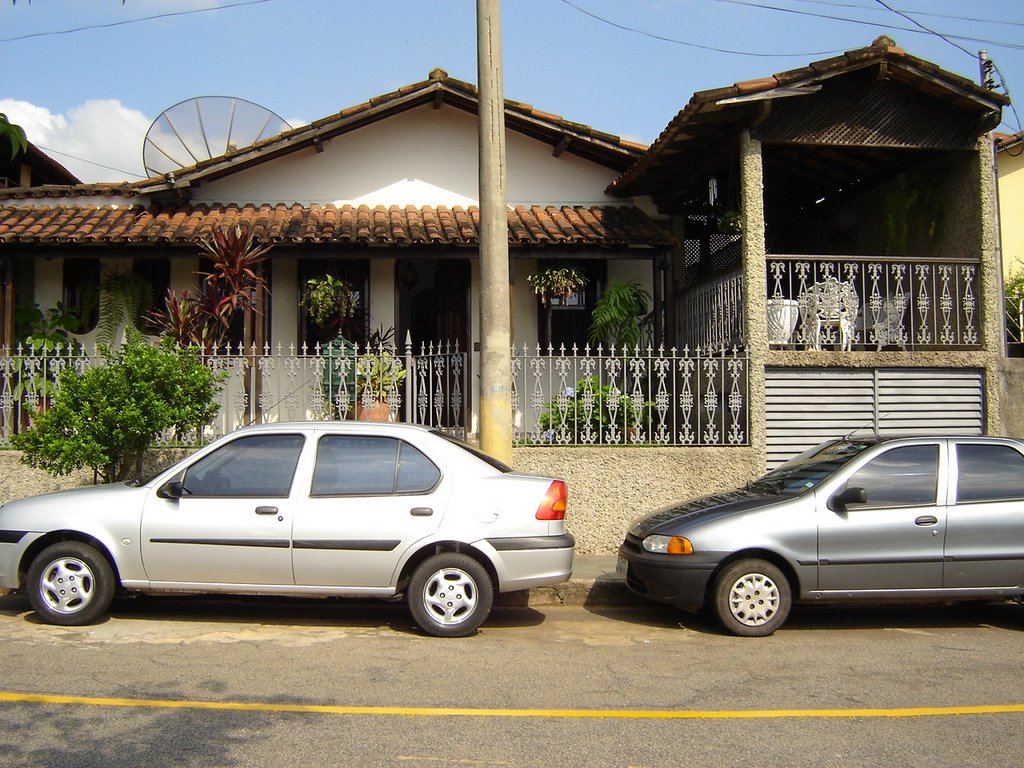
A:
x: 873, y: 424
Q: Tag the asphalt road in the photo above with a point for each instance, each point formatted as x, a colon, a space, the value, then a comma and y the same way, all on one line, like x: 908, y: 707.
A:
x: 225, y: 682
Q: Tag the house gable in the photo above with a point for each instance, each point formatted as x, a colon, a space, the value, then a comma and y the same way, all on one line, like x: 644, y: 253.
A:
x: 33, y: 168
x: 421, y: 156
x: 439, y: 93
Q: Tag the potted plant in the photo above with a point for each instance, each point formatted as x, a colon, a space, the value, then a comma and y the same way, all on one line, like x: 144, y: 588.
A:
x: 730, y: 223
x: 329, y: 302
x: 379, y: 376
x: 558, y: 282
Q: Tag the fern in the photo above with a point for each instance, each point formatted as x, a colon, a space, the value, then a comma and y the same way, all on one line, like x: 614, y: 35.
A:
x: 125, y: 298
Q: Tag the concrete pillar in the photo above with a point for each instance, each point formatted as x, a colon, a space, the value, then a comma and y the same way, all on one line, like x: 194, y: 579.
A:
x: 495, y: 316
x: 755, y: 280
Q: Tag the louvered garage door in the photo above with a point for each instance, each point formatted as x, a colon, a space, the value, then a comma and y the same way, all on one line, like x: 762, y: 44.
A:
x: 805, y: 406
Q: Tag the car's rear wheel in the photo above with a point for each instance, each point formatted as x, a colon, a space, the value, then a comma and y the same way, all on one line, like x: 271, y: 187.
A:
x: 450, y: 595
x: 70, y: 583
x: 752, y: 598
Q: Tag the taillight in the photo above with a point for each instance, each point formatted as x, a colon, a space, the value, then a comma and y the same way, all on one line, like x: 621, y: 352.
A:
x: 553, y: 506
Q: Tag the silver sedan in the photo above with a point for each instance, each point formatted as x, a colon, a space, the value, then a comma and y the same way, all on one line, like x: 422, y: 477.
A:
x: 320, y: 508
x: 911, y: 519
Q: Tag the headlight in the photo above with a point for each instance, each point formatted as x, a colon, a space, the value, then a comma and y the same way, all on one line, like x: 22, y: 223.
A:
x: 668, y: 545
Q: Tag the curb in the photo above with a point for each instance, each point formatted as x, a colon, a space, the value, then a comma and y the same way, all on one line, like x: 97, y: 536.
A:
x: 606, y: 592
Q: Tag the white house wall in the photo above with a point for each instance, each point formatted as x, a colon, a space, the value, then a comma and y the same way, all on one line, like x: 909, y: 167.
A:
x: 420, y: 157
x: 49, y: 283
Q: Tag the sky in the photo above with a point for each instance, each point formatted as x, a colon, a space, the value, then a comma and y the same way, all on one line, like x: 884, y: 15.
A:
x: 87, y: 78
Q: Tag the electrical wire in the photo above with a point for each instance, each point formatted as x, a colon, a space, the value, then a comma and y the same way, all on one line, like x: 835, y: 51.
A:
x: 688, y: 44
x: 1000, y: 22
x: 922, y: 31
x: 930, y: 31
x: 130, y: 21
x: 1002, y: 84
x: 90, y: 162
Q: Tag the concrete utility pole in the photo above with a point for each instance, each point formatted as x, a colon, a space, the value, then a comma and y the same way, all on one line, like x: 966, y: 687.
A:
x: 495, y: 313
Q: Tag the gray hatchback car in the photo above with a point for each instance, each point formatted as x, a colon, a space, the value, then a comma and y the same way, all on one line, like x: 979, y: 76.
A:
x: 320, y: 508
x: 908, y: 519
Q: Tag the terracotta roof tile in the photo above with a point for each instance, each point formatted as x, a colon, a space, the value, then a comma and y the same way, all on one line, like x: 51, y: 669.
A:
x: 344, y: 225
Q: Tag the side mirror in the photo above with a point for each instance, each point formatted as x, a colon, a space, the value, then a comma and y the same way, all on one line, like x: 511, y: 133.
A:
x: 847, y: 496
x: 172, y: 489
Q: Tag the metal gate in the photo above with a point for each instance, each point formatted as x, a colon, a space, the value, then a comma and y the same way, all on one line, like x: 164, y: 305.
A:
x: 804, y: 406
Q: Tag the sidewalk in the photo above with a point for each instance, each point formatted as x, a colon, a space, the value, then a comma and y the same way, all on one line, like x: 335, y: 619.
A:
x: 593, y: 582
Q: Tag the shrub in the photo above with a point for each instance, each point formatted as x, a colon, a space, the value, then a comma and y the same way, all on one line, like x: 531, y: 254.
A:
x: 107, y: 417
x: 588, y: 413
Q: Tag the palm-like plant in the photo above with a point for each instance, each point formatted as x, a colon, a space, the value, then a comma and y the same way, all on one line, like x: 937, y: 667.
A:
x: 616, y: 317
x: 233, y: 284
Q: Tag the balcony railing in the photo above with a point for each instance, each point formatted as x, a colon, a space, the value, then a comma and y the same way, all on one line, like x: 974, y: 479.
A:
x: 577, y: 397
x: 889, y: 304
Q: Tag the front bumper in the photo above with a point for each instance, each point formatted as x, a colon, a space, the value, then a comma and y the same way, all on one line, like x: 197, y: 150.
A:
x: 679, y: 580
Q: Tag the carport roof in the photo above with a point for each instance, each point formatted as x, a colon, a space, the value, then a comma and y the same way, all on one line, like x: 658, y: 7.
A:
x: 711, y: 117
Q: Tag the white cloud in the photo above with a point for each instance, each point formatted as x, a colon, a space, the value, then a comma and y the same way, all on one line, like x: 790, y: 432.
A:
x: 97, y: 133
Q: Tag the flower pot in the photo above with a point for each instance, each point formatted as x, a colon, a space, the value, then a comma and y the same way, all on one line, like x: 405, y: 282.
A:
x: 377, y: 411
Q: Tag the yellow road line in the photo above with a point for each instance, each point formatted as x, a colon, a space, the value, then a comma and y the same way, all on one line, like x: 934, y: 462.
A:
x: 641, y: 714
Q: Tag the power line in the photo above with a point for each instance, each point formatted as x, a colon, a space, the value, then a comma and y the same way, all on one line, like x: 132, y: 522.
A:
x: 90, y: 162
x: 130, y: 21
x: 687, y: 43
x: 915, y: 22
x: 1006, y: 90
x: 1000, y: 22
x: 921, y: 31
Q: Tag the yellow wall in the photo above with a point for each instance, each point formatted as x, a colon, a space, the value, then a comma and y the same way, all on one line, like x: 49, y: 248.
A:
x: 1010, y: 163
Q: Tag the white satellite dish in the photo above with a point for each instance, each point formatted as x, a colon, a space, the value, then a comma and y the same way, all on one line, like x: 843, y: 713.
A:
x: 204, y: 127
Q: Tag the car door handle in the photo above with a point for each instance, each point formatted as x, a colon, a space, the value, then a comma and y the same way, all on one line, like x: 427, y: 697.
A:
x: 266, y: 510
x: 421, y: 511
x: 926, y: 520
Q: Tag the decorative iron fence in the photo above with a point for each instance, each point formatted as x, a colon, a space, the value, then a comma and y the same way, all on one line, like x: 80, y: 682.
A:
x: 896, y: 303
x: 640, y: 397
x: 1014, y: 306
x: 335, y: 381
x: 583, y: 397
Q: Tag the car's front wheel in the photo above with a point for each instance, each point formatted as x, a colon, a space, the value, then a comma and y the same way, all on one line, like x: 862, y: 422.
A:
x: 752, y: 598
x: 70, y: 583
x: 450, y: 595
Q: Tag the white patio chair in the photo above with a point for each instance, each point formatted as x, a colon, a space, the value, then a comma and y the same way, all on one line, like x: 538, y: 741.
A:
x: 887, y: 327
x: 829, y: 309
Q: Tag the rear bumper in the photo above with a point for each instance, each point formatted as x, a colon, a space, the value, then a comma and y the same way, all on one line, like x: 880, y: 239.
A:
x: 679, y: 580
x: 534, y: 561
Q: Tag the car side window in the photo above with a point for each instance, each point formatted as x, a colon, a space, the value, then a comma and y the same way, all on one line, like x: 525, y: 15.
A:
x: 256, y: 466
x: 900, y: 477
x: 416, y: 473
x: 989, y: 473
x: 352, y: 465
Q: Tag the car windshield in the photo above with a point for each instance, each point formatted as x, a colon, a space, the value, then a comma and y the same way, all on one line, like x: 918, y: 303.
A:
x: 804, y: 472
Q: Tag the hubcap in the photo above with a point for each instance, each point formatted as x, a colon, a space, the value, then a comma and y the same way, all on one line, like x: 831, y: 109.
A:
x: 450, y: 596
x: 67, y: 585
x: 754, y: 599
